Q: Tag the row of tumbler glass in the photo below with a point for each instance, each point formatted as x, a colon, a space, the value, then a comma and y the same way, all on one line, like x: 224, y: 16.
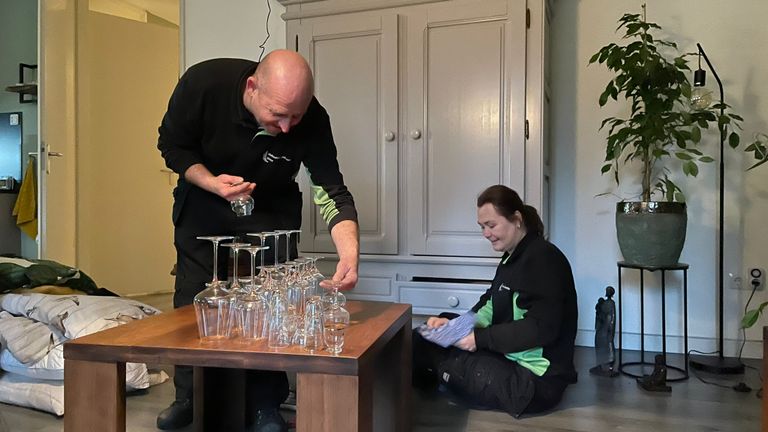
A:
x: 281, y: 305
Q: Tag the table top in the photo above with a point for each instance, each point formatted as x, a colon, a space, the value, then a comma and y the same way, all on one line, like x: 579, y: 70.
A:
x: 172, y: 338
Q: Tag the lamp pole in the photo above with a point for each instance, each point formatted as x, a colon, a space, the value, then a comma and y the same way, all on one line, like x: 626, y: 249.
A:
x: 719, y: 364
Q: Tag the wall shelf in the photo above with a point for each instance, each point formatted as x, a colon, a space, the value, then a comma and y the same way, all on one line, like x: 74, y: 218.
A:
x: 27, y: 90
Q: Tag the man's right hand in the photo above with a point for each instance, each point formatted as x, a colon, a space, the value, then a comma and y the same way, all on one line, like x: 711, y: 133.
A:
x: 230, y: 187
x: 224, y: 185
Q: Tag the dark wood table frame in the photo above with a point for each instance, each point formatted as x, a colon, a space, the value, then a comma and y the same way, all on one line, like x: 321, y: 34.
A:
x: 365, y: 388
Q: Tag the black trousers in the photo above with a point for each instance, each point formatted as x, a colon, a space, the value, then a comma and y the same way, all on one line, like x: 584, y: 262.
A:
x: 199, y: 213
x: 482, y: 379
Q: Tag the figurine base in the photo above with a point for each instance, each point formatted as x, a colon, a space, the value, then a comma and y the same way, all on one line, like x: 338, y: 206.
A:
x: 603, y: 371
x: 647, y: 383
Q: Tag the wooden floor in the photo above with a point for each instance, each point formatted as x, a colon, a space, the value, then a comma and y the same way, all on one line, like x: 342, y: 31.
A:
x: 593, y: 404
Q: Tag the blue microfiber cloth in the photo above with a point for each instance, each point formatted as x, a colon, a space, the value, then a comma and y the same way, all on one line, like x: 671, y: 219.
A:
x: 450, y: 333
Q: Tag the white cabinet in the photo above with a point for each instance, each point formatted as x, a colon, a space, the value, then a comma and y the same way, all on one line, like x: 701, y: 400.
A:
x: 354, y: 61
x: 431, y: 101
x: 465, y: 111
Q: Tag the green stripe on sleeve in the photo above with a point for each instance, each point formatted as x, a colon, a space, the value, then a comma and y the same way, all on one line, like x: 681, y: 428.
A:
x: 327, y: 206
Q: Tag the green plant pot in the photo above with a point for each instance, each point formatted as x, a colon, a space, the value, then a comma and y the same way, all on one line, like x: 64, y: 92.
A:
x: 651, y: 233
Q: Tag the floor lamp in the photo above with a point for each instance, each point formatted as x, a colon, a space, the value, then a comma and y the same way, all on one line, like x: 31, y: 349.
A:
x: 719, y: 364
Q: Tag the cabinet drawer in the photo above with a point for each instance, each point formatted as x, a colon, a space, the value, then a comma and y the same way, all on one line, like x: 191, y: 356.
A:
x: 433, y: 298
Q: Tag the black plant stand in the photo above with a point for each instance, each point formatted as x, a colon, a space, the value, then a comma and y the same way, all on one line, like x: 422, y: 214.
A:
x: 682, y: 372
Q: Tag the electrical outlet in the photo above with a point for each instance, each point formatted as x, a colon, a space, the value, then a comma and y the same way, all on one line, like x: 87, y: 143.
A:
x: 756, y: 276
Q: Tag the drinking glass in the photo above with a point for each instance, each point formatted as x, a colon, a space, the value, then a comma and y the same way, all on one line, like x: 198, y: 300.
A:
x: 215, y: 240
x: 212, y: 310
x: 280, y: 327
x: 313, y: 325
x: 251, y: 310
x: 335, y: 323
x: 332, y: 295
x: 242, y: 205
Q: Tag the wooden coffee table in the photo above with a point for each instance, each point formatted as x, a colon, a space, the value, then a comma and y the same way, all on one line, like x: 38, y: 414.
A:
x: 365, y: 388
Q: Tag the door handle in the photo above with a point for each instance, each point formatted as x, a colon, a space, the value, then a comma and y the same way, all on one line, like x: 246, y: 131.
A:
x: 55, y: 154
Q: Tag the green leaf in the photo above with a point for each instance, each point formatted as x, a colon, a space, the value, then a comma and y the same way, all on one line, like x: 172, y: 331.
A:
x: 750, y: 318
x: 733, y: 140
x: 695, y: 134
x: 706, y: 159
x: 605, y: 168
x: 692, y: 168
x: 683, y: 156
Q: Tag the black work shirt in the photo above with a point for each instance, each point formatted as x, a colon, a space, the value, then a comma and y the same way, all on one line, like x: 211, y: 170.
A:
x: 207, y: 123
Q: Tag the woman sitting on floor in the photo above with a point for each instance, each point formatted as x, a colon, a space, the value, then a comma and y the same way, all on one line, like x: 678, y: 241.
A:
x: 518, y: 354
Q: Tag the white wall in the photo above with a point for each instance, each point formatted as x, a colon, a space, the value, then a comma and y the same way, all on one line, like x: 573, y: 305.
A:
x: 734, y: 36
x: 233, y: 28
x: 582, y: 225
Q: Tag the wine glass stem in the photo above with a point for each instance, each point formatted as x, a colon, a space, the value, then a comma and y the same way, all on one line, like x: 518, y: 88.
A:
x: 277, y: 255
x: 215, y: 261
x: 234, y: 269
x: 253, y: 269
x: 263, y: 251
x: 287, y: 246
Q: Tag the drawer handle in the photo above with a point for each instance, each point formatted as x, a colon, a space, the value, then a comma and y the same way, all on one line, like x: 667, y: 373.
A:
x: 453, y: 301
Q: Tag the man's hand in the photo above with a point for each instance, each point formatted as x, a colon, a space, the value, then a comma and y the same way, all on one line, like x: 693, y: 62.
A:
x: 345, y: 237
x: 436, y: 322
x: 230, y: 187
x: 467, y: 343
x: 346, y: 273
x: 224, y: 185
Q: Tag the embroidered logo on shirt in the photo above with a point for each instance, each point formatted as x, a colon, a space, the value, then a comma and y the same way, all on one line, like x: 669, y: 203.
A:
x: 504, y: 287
x: 270, y: 157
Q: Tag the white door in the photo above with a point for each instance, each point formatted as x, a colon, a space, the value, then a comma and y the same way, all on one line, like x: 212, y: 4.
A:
x: 465, y: 118
x: 107, y: 201
x: 354, y: 61
x: 58, y: 228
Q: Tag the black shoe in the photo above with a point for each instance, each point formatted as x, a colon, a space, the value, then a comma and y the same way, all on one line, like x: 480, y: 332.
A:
x: 269, y: 420
x: 176, y: 416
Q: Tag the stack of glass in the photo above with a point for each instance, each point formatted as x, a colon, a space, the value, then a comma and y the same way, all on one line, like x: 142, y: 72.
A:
x: 281, y: 303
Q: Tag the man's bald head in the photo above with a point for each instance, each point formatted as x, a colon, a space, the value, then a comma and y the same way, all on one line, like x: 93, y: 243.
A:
x: 279, y: 92
x: 286, y: 72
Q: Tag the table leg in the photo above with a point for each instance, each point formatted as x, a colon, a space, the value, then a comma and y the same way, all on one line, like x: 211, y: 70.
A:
x: 330, y: 403
x: 94, y: 396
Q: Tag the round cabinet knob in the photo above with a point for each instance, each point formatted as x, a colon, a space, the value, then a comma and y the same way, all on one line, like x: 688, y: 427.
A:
x: 415, y: 134
x: 453, y: 301
x: 389, y: 136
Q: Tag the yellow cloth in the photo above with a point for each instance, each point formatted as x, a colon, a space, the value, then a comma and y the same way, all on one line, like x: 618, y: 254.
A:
x: 25, y: 208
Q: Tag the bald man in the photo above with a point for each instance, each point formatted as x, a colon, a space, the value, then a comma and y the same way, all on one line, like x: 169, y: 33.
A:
x: 237, y: 127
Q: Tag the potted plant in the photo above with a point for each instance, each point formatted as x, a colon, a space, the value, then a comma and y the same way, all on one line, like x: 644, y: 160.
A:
x: 662, y: 126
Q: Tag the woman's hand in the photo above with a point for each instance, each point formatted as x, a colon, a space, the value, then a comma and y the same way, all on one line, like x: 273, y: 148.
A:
x: 435, y: 322
x: 467, y: 343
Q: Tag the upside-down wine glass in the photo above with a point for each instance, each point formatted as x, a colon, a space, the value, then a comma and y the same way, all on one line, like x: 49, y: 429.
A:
x: 251, y: 309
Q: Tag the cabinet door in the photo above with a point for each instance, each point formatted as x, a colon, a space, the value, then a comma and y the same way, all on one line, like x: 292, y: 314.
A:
x: 465, y: 118
x: 354, y: 60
